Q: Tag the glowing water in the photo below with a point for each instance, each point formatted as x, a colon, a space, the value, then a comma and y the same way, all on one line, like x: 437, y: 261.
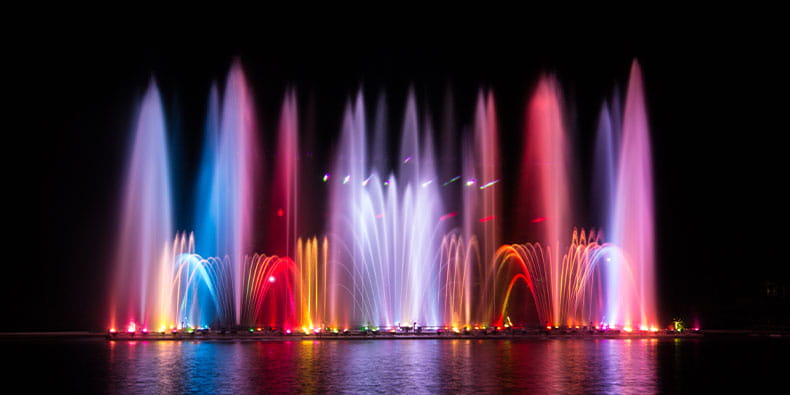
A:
x: 145, y: 221
x: 385, y: 229
x: 226, y: 198
x: 631, y: 292
x: 402, y: 245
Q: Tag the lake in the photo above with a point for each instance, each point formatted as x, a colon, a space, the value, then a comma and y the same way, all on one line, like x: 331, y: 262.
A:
x: 582, y: 365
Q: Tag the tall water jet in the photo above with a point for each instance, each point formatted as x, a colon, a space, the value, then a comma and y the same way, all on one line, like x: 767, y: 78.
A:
x: 546, y: 184
x: 604, y: 183
x: 489, y: 171
x: 388, y: 252
x: 481, y: 212
x: 146, y: 219
x: 233, y: 189
x: 207, y: 196
x: 283, y: 211
x: 631, y: 290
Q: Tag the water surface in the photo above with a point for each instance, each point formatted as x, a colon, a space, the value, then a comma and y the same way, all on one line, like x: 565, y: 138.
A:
x: 411, y: 366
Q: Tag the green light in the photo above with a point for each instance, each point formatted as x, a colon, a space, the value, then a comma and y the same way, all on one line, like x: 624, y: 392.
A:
x: 679, y: 325
x: 252, y: 330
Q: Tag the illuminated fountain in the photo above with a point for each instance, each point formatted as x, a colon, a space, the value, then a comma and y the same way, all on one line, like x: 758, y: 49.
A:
x: 419, y: 241
x: 145, y: 227
x: 631, y: 278
x: 384, y: 227
x: 606, y: 284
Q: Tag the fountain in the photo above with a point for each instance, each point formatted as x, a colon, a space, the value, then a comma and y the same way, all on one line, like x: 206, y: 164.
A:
x: 405, y: 246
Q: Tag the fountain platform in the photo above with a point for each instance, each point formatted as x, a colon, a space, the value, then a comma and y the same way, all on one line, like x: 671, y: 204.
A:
x: 360, y: 335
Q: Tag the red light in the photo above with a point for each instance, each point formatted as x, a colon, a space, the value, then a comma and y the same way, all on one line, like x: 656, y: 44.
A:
x: 112, y: 330
x: 280, y: 212
x: 485, y: 219
x: 288, y: 331
x: 449, y: 215
x: 538, y: 219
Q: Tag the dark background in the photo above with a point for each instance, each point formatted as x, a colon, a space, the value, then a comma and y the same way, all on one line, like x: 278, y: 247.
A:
x: 715, y: 96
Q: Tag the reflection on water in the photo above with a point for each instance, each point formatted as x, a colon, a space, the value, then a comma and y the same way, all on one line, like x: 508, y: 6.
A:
x: 403, y: 366
x: 411, y: 366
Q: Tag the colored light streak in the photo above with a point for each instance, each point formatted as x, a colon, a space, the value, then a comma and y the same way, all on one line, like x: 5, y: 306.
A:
x: 538, y: 220
x: 486, y: 219
x: 448, y: 216
x: 452, y: 180
x: 471, y: 182
x: 489, y: 184
x: 326, y: 177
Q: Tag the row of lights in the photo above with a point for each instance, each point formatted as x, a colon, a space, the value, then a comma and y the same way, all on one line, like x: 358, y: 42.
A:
x: 132, y: 328
x: 365, y: 182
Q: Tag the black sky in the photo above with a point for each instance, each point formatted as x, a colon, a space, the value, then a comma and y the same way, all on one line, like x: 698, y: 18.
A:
x: 716, y: 100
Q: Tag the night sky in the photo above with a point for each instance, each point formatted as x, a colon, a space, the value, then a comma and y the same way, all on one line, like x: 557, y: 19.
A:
x: 715, y: 104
